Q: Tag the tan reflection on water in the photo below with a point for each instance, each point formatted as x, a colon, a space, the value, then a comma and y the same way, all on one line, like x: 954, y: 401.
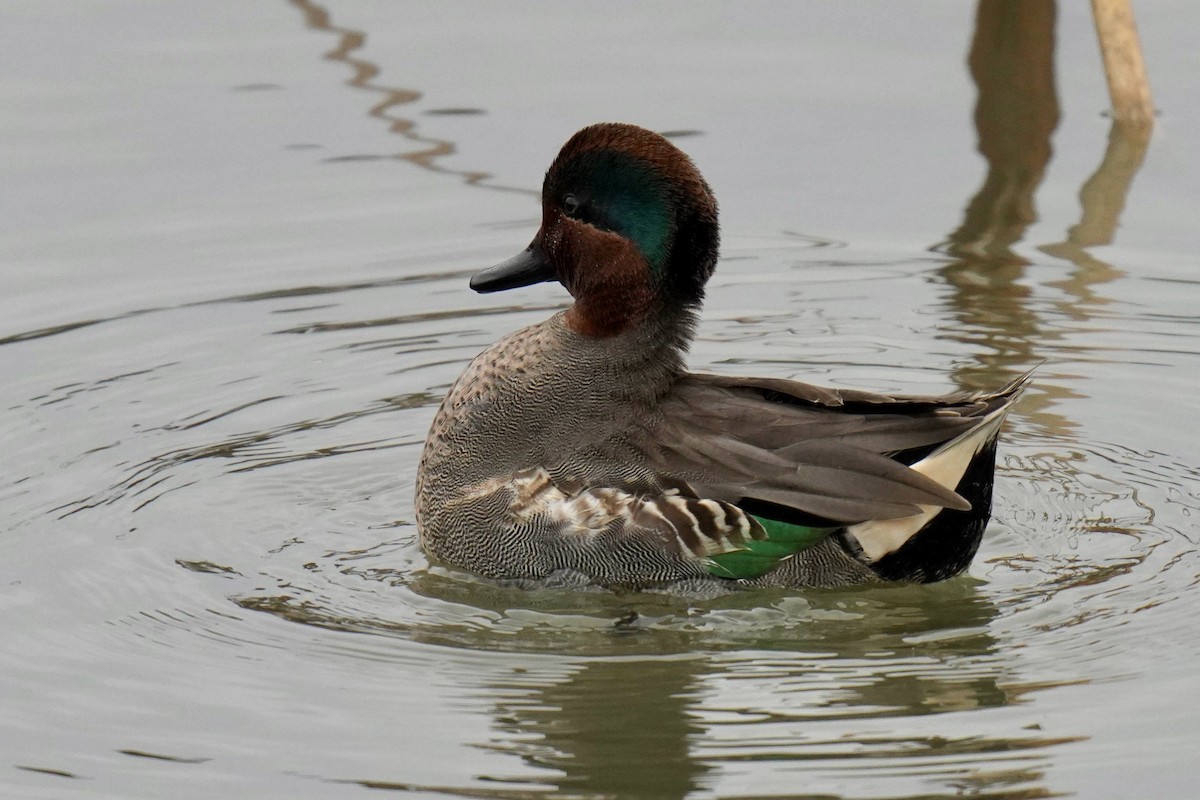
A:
x: 1102, y: 199
x: 365, y: 73
x: 1012, y: 63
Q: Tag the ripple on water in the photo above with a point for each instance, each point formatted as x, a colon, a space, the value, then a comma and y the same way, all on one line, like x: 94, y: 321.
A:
x: 247, y: 496
x: 1088, y: 539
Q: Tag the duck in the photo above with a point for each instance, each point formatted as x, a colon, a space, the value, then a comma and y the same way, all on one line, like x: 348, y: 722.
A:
x: 581, y: 452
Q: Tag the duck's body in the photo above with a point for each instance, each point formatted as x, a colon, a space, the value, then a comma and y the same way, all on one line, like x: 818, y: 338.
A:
x: 580, y: 450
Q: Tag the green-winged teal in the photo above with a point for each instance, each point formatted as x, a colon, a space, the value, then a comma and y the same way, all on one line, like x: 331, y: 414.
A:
x: 580, y: 451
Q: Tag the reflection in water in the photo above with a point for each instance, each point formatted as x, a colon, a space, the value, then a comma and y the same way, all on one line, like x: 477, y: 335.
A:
x: 1011, y: 61
x: 612, y: 729
x: 667, y: 727
x: 1102, y: 199
x: 652, y: 698
x: 365, y: 73
x: 865, y: 678
x: 1012, y: 64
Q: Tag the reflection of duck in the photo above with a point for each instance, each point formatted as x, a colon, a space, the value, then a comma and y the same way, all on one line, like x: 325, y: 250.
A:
x: 580, y: 449
x: 846, y: 696
x: 612, y: 728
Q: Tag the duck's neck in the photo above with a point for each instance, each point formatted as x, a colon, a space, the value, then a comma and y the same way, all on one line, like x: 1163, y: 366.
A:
x: 623, y: 303
x: 646, y: 355
x: 604, y: 315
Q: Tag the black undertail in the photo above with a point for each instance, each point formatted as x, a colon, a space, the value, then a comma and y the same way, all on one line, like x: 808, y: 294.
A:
x: 948, y: 542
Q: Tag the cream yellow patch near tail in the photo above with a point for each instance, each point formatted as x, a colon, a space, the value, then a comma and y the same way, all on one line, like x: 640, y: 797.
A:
x: 946, y: 465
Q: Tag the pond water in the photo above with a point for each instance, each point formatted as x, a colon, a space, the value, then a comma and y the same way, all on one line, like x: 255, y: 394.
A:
x: 235, y: 245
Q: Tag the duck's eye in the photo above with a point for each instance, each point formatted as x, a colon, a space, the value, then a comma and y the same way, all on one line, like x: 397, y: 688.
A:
x: 571, y: 205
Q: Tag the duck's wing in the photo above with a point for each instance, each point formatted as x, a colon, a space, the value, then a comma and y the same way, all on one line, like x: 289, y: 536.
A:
x: 792, y: 452
x: 732, y: 478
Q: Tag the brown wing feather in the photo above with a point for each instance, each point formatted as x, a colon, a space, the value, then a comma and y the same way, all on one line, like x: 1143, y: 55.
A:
x: 823, y: 452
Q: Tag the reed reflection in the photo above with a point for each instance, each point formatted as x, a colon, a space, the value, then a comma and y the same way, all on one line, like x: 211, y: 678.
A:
x: 1102, y: 199
x: 1012, y: 64
x: 350, y: 43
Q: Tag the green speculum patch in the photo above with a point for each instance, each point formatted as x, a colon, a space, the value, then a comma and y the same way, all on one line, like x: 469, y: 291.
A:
x: 761, y: 555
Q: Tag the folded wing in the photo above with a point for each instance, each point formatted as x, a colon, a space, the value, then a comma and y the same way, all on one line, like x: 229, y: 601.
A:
x: 798, y: 453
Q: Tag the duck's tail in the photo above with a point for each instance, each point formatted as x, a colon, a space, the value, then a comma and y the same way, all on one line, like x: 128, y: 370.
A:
x: 938, y: 543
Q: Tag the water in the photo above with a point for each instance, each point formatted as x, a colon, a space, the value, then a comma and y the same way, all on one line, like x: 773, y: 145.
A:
x: 235, y: 244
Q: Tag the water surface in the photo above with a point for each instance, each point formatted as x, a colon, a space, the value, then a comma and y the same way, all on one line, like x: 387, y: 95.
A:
x: 236, y: 250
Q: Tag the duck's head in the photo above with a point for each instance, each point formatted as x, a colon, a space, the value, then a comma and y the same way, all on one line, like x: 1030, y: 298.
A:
x: 628, y: 227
